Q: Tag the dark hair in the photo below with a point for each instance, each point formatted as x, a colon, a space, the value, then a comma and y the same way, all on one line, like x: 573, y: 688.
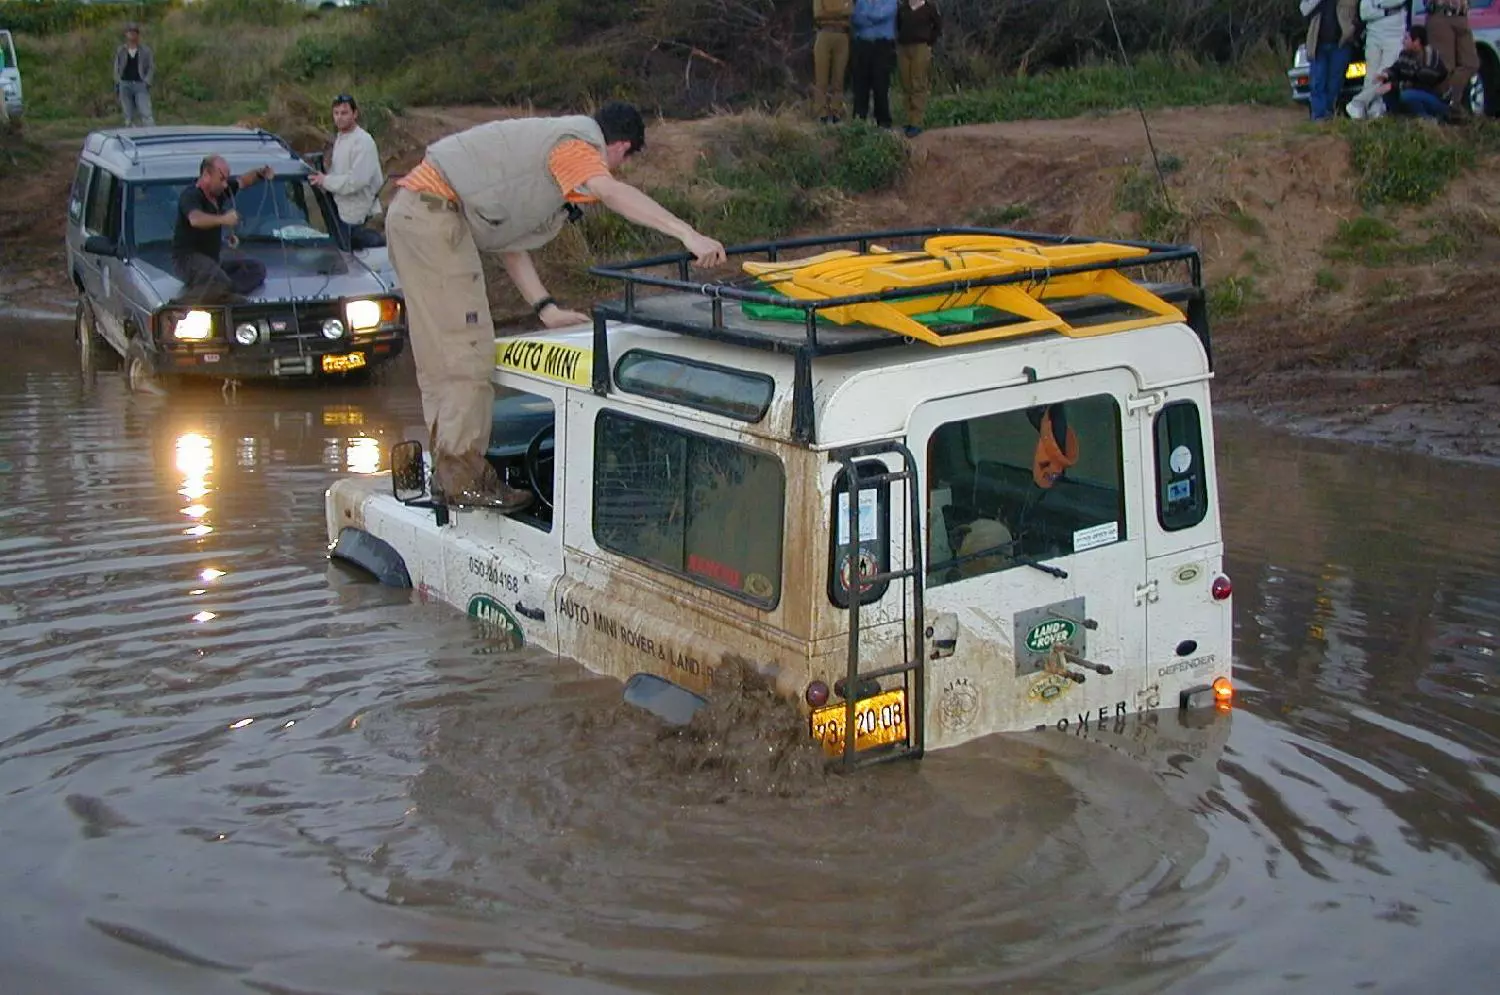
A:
x: 1418, y: 33
x: 344, y: 98
x: 621, y: 122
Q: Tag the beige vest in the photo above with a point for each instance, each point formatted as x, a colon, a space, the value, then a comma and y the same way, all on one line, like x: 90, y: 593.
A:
x: 499, y: 171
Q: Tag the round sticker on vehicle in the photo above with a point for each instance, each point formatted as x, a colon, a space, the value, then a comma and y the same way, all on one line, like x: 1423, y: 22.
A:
x: 1181, y: 459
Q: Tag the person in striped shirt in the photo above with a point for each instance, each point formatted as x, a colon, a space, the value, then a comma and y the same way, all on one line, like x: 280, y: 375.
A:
x: 505, y: 187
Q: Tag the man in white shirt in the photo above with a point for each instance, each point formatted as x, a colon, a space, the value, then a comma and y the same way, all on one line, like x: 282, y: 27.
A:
x: 1385, y: 29
x: 354, y: 177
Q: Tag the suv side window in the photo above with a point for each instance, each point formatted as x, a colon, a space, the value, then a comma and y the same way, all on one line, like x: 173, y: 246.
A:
x: 80, y: 191
x: 1181, y: 484
x: 695, y: 506
x: 103, y: 214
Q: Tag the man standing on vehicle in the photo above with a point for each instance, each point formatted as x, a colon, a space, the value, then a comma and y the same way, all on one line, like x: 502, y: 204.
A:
x: 203, y: 210
x: 1330, y: 33
x: 1385, y: 30
x: 1449, y: 33
x: 135, y: 70
x: 503, y: 187
x: 354, y: 177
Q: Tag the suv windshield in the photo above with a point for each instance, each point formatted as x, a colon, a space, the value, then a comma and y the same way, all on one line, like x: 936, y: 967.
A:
x: 283, y: 209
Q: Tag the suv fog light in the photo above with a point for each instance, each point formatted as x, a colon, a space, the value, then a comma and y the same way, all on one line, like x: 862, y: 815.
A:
x: 246, y: 334
x: 333, y: 329
x: 195, y: 326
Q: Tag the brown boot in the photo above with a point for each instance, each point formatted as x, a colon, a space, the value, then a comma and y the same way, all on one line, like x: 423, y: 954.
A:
x: 470, y: 482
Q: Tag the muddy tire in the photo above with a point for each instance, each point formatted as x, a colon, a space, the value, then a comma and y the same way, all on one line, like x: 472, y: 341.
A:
x: 140, y: 373
x: 94, y: 353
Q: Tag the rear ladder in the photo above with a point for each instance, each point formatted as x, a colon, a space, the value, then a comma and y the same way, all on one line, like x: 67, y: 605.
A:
x: 910, y: 574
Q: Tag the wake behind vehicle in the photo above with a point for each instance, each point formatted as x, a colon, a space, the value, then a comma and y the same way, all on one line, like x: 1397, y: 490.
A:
x: 323, y: 310
x: 935, y: 483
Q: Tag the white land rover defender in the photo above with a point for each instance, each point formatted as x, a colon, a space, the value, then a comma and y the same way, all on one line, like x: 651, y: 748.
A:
x: 1033, y: 540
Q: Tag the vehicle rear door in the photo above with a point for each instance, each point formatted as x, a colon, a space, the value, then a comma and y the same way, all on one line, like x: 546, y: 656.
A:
x: 1036, y: 588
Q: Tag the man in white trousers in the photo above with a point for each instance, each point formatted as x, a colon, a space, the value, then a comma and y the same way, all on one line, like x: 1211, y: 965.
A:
x: 1385, y: 27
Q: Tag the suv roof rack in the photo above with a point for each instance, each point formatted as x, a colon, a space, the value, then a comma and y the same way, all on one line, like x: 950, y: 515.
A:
x: 873, y: 290
x: 135, y: 143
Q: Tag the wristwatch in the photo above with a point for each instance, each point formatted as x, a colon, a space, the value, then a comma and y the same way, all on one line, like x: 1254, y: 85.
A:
x: 541, y: 305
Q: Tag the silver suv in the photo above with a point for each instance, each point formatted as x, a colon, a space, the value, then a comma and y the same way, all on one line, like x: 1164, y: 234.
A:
x: 10, y: 77
x: 323, y: 310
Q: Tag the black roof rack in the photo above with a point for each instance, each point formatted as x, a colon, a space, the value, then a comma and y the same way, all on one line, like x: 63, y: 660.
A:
x: 880, y: 318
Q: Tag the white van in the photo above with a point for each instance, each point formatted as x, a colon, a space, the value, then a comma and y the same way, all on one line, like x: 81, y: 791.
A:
x: 1026, y: 430
x: 10, y: 77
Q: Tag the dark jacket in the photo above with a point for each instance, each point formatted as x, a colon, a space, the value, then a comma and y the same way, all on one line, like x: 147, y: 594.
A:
x: 918, y: 27
x: 144, y: 62
x: 1423, y: 70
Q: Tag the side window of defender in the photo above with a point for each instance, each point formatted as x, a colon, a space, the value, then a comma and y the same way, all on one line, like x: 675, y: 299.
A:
x: 79, y: 195
x: 1181, y: 481
x: 699, y: 507
x: 1024, y: 486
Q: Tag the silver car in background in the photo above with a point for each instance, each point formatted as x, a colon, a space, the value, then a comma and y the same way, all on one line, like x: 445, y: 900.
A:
x: 10, y: 77
x: 323, y: 310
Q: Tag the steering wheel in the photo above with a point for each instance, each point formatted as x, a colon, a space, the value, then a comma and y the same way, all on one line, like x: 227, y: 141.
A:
x: 538, y: 466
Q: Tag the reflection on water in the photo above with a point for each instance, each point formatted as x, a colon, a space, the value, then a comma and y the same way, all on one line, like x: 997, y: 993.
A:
x: 228, y: 766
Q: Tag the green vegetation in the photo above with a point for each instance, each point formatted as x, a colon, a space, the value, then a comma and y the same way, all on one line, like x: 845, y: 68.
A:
x: 1370, y: 241
x: 1410, y: 162
x: 1141, y: 192
x: 1001, y: 215
x: 1156, y: 81
x: 1326, y: 279
x: 1230, y: 296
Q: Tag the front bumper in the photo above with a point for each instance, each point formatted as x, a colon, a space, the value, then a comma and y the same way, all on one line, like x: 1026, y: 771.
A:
x: 268, y: 361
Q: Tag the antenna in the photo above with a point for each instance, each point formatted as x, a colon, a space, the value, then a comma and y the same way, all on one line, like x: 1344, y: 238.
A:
x: 1161, y: 178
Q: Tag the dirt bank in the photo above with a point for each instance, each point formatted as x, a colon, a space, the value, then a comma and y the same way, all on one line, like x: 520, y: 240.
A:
x: 1321, y: 335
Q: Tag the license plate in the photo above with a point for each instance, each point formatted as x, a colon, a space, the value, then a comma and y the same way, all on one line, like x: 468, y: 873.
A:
x: 1355, y: 70
x: 343, y: 364
x: 878, y: 720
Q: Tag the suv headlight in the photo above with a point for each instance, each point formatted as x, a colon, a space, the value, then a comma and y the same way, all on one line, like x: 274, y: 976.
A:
x: 246, y: 333
x: 195, y: 326
x: 368, y: 315
x: 333, y: 329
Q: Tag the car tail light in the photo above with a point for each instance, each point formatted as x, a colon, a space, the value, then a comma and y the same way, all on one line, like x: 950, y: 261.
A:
x: 1222, y: 588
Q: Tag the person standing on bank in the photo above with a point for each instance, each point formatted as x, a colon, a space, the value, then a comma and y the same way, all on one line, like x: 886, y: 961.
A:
x: 354, y: 177
x: 1330, y: 34
x: 503, y: 187
x: 1385, y: 31
x: 830, y: 57
x: 918, y: 24
x: 873, y: 56
x: 1448, y: 31
x: 203, y: 210
x: 135, y: 71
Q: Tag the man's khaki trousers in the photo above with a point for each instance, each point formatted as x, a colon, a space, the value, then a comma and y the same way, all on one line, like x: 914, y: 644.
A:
x: 830, y: 62
x: 914, y: 65
x: 452, y: 335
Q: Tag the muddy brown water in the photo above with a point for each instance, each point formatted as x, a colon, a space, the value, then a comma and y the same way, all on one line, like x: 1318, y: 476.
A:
x: 226, y: 766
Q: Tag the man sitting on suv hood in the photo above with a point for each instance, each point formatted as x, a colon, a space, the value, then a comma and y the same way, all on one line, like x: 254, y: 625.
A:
x: 202, y: 210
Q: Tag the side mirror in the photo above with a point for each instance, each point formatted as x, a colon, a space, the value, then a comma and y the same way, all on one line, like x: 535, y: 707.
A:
x: 408, y: 472
x: 98, y: 245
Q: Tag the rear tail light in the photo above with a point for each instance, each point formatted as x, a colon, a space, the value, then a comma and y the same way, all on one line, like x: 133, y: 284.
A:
x: 817, y: 694
x: 1222, y: 589
x: 1223, y: 692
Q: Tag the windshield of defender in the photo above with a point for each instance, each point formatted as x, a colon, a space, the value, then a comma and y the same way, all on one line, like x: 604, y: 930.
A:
x: 286, y: 209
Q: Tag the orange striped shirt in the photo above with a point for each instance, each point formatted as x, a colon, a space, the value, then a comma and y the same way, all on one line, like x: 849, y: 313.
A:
x: 572, y: 164
x: 425, y: 178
